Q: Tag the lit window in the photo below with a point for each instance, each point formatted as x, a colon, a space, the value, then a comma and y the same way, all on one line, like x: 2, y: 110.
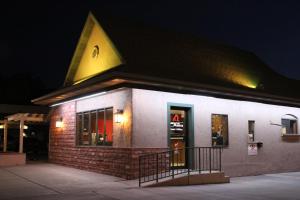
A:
x: 95, y: 127
x: 219, y: 128
x: 289, y: 124
x: 251, y: 125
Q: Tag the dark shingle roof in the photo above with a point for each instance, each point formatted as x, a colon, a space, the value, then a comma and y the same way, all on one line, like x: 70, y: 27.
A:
x: 154, y: 52
x: 182, y: 60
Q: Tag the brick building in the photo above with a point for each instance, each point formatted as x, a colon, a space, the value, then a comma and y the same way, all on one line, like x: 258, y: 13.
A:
x: 132, y: 89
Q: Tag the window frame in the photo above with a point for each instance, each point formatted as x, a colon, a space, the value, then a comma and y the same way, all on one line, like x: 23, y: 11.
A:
x: 80, y: 116
x: 211, y: 125
x: 289, y: 118
x: 253, y: 138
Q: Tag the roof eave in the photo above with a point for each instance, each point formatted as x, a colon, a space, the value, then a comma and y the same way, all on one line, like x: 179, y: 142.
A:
x: 113, y: 79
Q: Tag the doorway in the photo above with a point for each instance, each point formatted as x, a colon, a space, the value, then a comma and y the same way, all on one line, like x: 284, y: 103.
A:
x: 181, y: 133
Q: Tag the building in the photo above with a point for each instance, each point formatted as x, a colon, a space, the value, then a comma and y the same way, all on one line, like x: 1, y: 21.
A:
x: 132, y: 89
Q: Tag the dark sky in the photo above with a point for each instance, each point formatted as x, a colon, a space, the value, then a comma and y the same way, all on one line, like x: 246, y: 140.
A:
x: 40, y: 37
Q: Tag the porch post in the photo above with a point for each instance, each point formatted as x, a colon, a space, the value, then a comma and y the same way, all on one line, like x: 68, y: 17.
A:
x: 5, y: 135
x: 21, y: 135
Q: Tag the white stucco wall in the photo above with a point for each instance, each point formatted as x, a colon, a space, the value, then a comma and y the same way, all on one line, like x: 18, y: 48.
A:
x: 150, y: 129
x: 118, y: 99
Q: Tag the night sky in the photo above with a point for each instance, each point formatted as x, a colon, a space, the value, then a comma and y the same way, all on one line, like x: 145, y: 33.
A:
x: 39, y: 38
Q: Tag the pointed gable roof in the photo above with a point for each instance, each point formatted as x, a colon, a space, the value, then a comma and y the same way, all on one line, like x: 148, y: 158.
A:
x: 94, y: 54
x: 161, y: 59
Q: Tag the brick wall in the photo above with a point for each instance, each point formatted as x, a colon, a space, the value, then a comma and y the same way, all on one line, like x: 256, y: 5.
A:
x: 121, y: 162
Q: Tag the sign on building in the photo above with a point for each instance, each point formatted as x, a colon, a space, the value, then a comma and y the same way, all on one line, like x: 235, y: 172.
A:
x: 252, y: 149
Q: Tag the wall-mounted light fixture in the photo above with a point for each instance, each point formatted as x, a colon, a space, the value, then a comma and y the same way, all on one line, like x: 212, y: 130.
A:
x: 59, y: 123
x: 119, y: 116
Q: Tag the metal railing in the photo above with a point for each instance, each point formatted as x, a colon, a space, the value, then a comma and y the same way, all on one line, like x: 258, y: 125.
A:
x: 155, y: 166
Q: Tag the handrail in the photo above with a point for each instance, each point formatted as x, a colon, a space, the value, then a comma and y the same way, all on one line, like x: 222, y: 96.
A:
x: 155, y: 166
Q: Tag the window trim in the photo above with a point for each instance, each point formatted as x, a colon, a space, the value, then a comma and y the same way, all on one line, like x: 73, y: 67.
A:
x: 288, y: 117
x: 77, y: 142
x: 253, y: 139
x: 227, y: 116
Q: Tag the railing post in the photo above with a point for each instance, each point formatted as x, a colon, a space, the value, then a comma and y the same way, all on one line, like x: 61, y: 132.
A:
x: 172, y: 151
x: 220, y: 158
x: 140, y: 171
x: 157, y: 168
x: 188, y: 153
x: 177, y: 157
x: 210, y: 160
x: 199, y: 157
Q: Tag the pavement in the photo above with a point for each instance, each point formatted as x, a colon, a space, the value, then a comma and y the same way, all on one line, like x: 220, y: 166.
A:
x: 45, y: 181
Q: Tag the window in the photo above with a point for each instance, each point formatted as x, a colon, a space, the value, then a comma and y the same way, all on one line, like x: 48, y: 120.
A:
x: 251, y: 125
x: 219, y: 128
x: 95, y: 127
x: 289, y: 124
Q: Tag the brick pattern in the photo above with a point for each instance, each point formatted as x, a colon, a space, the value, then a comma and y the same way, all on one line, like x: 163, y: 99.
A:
x: 121, y: 162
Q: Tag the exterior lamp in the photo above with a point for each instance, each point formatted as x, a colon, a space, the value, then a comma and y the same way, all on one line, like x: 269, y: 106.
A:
x: 119, y: 116
x: 2, y: 126
x: 59, y: 123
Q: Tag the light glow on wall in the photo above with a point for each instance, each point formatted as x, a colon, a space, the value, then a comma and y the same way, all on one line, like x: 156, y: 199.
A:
x: 119, y: 118
x: 99, y: 53
x: 81, y: 98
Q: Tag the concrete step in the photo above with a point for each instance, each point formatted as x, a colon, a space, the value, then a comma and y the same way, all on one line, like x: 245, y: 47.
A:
x: 192, y: 179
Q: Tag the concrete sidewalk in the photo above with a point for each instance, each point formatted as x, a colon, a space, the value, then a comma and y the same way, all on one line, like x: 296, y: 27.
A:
x: 54, y: 182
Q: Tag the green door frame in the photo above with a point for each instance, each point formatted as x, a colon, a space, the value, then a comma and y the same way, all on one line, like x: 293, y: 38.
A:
x: 190, y: 116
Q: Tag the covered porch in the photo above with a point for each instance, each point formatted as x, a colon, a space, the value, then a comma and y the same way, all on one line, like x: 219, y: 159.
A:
x: 11, y: 158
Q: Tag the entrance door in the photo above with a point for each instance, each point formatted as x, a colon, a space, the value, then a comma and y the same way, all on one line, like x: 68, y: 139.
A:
x: 179, y: 135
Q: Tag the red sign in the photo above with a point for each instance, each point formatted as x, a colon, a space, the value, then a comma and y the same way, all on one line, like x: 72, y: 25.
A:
x: 176, y: 123
x: 176, y: 118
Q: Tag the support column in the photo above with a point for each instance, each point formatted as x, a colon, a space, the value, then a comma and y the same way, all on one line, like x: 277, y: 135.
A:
x: 5, y: 135
x: 21, y: 135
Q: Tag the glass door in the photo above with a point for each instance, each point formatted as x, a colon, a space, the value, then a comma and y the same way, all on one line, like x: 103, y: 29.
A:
x: 178, y: 136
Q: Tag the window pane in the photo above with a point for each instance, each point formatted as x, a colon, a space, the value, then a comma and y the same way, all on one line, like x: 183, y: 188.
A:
x: 289, y: 126
x: 177, y: 120
x: 109, y: 125
x: 286, y: 125
x: 251, y: 131
x: 85, y: 136
x: 100, y: 127
x: 294, y: 126
x: 219, y: 127
x: 93, y: 127
x: 178, y: 135
x: 79, y: 127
